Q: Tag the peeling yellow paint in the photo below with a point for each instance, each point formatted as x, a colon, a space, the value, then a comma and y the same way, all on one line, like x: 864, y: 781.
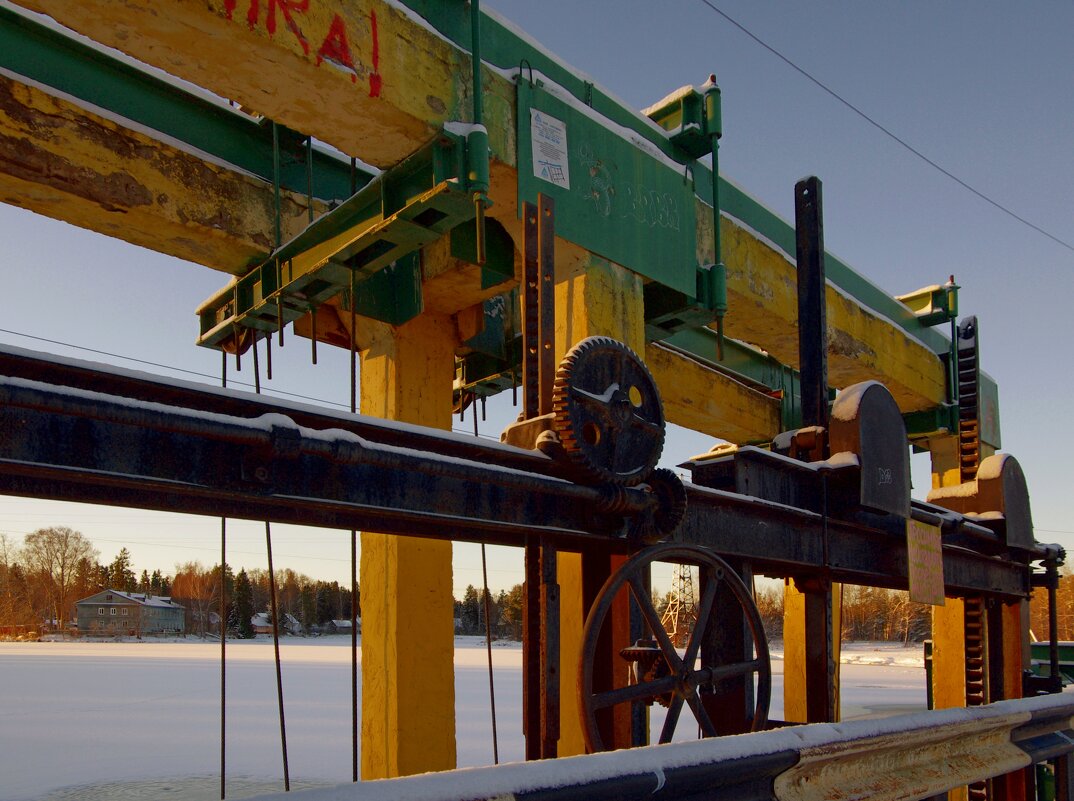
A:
x: 70, y: 164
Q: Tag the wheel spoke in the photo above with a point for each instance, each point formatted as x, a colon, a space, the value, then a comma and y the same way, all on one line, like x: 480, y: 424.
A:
x: 634, y: 692
x: 703, y: 719
x: 711, y: 675
x: 648, y: 426
x: 594, y: 401
x: 674, y: 708
x: 704, y: 610
x: 653, y: 619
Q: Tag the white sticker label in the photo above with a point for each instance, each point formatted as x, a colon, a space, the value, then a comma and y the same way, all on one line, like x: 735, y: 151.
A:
x: 549, y: 137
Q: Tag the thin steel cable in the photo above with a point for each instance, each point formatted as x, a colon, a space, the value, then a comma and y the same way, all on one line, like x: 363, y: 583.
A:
x: 354, y: 546
x: 354, y: 655
x: 257, y: 370
x: 223, y: 651
x: 276, y: 650
x: 488, y: 647
x: 223, y: 628
x: 891, y: 135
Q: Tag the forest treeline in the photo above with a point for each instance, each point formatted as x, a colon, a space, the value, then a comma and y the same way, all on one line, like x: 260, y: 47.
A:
x: 41, y: 579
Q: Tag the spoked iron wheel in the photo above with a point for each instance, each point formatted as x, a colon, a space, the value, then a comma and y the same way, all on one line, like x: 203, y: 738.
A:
x: 659, y: 672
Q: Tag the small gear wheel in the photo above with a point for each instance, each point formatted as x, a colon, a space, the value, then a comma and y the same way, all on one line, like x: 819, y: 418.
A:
x: 607, y: 413
x: 670, y: 509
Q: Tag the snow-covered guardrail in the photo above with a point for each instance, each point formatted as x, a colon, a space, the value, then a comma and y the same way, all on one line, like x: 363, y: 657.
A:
x: 892, y: 759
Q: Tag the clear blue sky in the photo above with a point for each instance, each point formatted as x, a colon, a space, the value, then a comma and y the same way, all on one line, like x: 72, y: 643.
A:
x: 983, y: 89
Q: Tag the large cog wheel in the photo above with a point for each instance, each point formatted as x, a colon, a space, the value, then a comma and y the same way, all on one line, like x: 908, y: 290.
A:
x: 607, y: 413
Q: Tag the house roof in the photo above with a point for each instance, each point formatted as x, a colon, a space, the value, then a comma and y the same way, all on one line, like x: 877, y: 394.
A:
x: 264, y: 619
x: 140, y: 598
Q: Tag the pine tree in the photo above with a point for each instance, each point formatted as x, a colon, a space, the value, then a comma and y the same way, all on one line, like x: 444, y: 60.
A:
x: 143, y: 583
x: 471, y: 611
x: 243, y: 605
x: 120, y: 575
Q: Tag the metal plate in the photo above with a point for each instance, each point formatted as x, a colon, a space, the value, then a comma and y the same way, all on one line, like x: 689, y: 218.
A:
x: 620, y: 202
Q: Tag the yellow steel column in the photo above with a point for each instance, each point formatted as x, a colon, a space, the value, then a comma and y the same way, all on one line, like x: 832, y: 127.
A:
x: 408, y: 683
x: 599, y: 299
x: 949, y: 620
x: 795, y: 707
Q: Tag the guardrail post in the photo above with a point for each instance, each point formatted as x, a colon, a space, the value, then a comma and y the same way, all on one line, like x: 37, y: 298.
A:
x: 1064, y: 778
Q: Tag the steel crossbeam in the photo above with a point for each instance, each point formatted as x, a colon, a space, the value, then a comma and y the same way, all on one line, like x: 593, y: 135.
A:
x: 79, y: 433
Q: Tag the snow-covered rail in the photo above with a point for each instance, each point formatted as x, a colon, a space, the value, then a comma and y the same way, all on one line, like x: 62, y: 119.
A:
x: 893, y: 759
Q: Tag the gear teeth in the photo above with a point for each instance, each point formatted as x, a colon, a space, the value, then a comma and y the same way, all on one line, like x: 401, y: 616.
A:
x: 580, y: 457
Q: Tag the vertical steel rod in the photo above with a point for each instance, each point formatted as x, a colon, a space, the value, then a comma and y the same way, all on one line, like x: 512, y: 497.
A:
x: 354, y: 655
x: 530, y: 314
x: 257, y: 370
x: 223, y: 626
x: 276, y: 650
x: 309, y: 176
x: 531, y: 650
x: 550, y: 690
x: 223, y: 649
x: 812, y: 305
x: 488, y: 647
x: 354, y: 551
x: 546, y: 326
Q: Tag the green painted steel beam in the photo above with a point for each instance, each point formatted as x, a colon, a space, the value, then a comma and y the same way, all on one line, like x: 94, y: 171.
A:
x: 371, y: 239
x: 90, y: 75
x: 504, y: 48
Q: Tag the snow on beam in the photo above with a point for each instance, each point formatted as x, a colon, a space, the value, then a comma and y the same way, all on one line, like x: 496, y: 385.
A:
x: 363, y: 75
x: 62, y: 161
x: 891, y: 759
x: 375, y: 80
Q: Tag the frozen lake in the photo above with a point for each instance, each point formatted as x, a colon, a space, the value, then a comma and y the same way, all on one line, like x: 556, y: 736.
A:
x: 111, y: 720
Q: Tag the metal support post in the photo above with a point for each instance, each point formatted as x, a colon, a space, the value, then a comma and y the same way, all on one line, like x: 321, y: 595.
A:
x: 540, y: 612
x: 821, y: 687
x: 812, y: 305
x: 550, y: 688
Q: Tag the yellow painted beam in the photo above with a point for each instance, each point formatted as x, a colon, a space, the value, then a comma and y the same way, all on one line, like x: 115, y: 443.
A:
x: 795, y: 663
x: 763, y: 301
x: 362, y: 75
x: 70, y: 164
x: 701, y: 399
x: 368, y: 77
x: 408, y: 686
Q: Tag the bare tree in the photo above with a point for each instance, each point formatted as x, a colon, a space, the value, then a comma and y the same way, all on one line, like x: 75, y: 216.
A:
x: 51, y: 556
x: 198, y: 589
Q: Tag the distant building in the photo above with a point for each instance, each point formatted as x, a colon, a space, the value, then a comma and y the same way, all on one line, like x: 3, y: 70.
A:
x: 130, y: 613
x: 262, y: 622
x: 342, y: 626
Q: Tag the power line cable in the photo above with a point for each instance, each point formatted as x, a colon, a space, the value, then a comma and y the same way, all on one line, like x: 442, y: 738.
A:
x: 887, y: 132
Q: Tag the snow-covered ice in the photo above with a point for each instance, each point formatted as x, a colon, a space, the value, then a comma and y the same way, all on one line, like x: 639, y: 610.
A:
x: 141, y: 719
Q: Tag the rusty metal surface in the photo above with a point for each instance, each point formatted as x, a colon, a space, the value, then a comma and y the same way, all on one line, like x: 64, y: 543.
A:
x: 484, y: 490
x: 898, y: 766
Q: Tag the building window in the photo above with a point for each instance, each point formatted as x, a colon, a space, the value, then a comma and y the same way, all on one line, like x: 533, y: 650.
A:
x: 112, y: 610
x: 100, y: 610
x: 108, y: 597
x: 125, y: 611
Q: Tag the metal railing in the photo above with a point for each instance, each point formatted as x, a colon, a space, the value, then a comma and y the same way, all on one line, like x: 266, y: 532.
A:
x: 892, y: 759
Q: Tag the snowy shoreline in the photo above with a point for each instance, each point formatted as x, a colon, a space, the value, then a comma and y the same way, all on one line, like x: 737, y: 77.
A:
x: 93, y: 719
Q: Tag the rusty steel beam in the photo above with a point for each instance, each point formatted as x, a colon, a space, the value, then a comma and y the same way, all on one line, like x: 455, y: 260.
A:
x: 175, y: 446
